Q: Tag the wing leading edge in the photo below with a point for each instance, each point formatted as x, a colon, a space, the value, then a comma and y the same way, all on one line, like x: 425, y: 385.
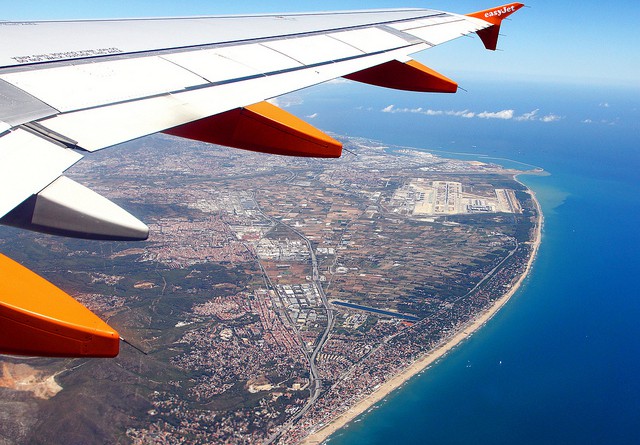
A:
x: 81, y: 86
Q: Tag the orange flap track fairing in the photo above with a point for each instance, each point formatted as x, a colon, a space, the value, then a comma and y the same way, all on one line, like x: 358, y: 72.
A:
x: 410, y: 76
x: 37, y: 318
x: 261, y: 127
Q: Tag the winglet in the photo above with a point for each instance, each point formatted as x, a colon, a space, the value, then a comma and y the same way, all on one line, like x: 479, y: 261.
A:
x: 494, y: 16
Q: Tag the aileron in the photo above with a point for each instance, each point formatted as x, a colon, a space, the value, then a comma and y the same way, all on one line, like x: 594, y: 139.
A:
x: 436, y: 35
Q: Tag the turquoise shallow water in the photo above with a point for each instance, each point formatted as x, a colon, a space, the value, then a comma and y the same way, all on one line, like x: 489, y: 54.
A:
x: 560, y: 364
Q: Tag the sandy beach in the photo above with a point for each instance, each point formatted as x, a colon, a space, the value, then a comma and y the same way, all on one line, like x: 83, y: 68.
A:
x: 429, y: 358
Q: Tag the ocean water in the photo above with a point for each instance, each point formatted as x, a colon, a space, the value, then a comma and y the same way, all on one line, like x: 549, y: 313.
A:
x: 560, y: 364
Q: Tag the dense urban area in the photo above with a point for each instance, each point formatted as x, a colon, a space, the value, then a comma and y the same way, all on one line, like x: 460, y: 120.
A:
x: 273, y: 293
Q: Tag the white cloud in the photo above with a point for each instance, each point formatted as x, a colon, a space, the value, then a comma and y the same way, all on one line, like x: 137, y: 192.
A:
x: 504, y: 114
x: 428, y: 111
x: 312, y: 116
x: 551, y: 118
x: 533, y: 116
x: 286, y: 101
x: 467, y: 114
x: 601, y: 121
x: 530, y: 116
x: 464, y: 113
x: 604, y: 104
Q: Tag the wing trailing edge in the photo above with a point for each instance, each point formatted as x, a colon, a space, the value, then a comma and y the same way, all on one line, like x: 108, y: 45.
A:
x: 495, y: 16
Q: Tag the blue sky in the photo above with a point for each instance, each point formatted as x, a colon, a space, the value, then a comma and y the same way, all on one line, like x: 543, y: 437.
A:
x: 586, y: 42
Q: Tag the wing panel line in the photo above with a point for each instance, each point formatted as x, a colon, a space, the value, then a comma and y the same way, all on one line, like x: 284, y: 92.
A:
x: 242, y: 79
x: 213, y: 45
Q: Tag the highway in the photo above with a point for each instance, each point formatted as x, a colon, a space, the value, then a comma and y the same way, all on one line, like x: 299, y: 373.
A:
x: 315, y: 382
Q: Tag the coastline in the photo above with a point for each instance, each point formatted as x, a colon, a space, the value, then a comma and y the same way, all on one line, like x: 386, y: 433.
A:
x: 429, y: 358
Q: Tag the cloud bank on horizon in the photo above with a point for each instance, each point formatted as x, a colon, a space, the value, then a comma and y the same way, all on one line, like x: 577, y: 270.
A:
x: 468, y: 114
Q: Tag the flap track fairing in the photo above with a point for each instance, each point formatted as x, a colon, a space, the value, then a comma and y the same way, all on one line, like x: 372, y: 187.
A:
x: 261, y: 127
x: 37, y: 318
x: 410, y: 76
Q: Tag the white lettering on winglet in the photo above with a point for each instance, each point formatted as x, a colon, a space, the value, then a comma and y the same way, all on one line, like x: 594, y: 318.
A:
x: 500, y: 12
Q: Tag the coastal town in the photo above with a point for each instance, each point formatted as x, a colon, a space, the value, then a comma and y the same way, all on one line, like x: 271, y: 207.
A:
x: 276, y: 298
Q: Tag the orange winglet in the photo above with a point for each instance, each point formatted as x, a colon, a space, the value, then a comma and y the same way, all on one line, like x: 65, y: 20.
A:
x: 495, y: 16
x: 262, y: 127
x: 410, y: 76
x: 37, y: 318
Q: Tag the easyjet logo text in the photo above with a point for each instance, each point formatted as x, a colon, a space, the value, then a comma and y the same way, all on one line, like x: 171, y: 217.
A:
x: 500, y: 12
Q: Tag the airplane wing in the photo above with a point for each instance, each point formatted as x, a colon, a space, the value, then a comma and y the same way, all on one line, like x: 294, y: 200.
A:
x: 72, y: 87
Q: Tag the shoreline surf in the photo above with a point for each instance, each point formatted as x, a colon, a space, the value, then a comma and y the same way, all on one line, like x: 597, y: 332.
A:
x: 466, y: 331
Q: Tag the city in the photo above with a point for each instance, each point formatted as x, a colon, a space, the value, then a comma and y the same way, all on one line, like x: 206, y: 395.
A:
x: 274, y: 293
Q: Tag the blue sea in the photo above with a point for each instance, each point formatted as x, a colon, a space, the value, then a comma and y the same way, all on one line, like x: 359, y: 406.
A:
x: 560, y: 364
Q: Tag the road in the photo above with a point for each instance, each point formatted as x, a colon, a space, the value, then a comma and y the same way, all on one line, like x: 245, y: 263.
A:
x: 315, y: 382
